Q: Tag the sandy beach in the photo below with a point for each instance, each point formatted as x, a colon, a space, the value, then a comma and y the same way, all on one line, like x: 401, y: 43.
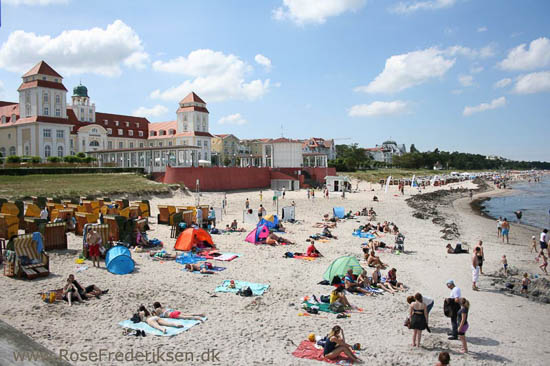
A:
x: 504, y: 328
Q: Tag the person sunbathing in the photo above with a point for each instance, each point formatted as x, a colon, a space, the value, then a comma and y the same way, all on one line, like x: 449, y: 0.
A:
x: 363, y: 280
x: 457, y: 250
x: 273, y: 239
x: 372, y: 260
x: 71, y: 293
x: 377, y: 280
x: 351, y: 284
x: 155, y: 321
x: 375, y: 199
x: 327, y: 234
x: 392, y: 282
x: 202, y: 268
x: 336, y: 344
x: 162, y: 254
x: 174, y: 314
x: 81, y: 292
x: 394, y: 229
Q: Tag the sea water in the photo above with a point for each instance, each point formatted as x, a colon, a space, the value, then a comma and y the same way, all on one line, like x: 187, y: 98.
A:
x: 533, y: 199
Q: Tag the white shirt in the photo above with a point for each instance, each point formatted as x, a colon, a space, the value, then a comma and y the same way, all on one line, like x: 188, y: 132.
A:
x: 499, y: 223
x: 199, y: 214
x: 427, y: 300
x: 543, y: 237
x: 44, y: 214
x: 455, y: 293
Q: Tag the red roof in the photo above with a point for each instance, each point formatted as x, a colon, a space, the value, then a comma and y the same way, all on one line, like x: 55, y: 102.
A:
x: 192, y: 98
x: 136, y: 124
x: 283, y: 139
x: 192, y: 108
x: 8, y: 109
x: 42, y: 68
x: 42, y: 83
x: 157, y: 126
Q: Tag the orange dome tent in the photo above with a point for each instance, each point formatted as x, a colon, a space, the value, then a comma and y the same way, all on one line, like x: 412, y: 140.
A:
x: 193, y: 238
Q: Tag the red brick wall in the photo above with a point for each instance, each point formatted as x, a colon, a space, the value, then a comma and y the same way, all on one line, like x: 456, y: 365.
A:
x: 219, y: 179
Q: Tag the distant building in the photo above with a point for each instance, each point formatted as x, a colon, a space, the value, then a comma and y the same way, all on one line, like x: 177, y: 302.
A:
x: 316, y: 145
x: 384, y: 153
x: 225, y: 149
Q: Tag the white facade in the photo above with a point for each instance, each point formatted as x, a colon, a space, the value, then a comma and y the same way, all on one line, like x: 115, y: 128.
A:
x: 282, y: 153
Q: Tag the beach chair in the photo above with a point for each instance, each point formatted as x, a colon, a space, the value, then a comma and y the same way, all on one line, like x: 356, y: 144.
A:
x: 125, y: 212
x: 103, y: 230
x: 32, y: 224
x: 26, y: 251
x: 164, y: 214
x: 32, y: 210
x: 134, y: 212
x: 114, y: 227
x: 55, y: 236
x: 83, y: 218
x: 9, y: 225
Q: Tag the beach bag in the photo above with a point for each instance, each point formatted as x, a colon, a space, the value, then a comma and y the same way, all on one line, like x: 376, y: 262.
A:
x: 337, y: 307
x: 407, y: 323
x: 135, y: 318
x: 325, y: 298
x: 246, y: 292
x: 289, y: 255
x: 322, y: 342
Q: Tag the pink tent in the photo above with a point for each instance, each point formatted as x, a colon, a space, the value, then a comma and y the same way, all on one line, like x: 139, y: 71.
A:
x: 258, y: 234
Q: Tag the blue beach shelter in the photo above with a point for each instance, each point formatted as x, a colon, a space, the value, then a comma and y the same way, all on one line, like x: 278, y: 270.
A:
x: 118, y: 260
x: 339, y: 212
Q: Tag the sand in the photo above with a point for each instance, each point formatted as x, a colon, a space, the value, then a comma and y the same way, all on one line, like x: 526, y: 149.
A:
x: 504, y: 329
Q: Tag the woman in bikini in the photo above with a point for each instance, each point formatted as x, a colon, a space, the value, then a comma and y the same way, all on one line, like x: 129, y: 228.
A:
x: 418, y: 314
x: 392, y: 281
x: 377, y: 280
x: 174, y: 314
x: 155, y: 321
x: 336, y: 344
x: 202, y: 268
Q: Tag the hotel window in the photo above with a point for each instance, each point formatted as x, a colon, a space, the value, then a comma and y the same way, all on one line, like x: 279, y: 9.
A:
x: 185, y: 117
x: 27, y: 151
x: 2, y: 151
x: 150, y: 144
x: 58, y: 112
x: 57, y: 99
x: 120, y: 132
x: 109, y: 131
x: 44, y: 78
x: 110, y: 145
x: 72, y: 143
x: 81, y: 110
x: 60, y: 151
x: 73, y: 153
x: 206, y: 144
x: 105, y: 122
x: 60, y: 134
x: 160, y: 144
x: 45, y: 95
x: 91, y: 111
x: 47, y: 132
x: 27, y: 110
x: 116, y: 123
x: 121, y: 145
x: 199, y: 143
x: 55, y: 80
x: 27, y: 97
x: 137, y: 124
x: 127, y: 124
x: 47, y: 151
x: 169, y: 143
x: 141, y: 144
x: 131, y: 133
x: 140, y: 133
x: 185, y: 126
x: 131, y: 145
x: 46, y: 111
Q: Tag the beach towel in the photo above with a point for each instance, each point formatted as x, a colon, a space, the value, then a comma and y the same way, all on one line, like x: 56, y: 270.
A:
x: 257, y: 288
x: 324, y: 307
x: 225, y: 257
x: 304, y: 257
x: 363, y: 235
x: 37, y: 237
x: 170, y: 331
x: 189, y: 259
x: 213, y: 269
x: 307, y: 350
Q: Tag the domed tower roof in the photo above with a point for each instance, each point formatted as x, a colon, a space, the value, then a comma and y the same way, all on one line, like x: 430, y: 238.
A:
x: 80, y: 91
x: 389, y: 142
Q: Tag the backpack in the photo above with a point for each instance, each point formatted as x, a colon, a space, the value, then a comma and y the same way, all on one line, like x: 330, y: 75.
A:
x: 135, y: 318
x: 289, y: 255
x: 337, y: 307
x: 247, y: 292
x: 325, y: 299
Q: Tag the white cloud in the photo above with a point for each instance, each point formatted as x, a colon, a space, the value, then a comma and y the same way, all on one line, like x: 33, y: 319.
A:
x: 156, y: 111
x: 378, y: 109
x: 536, y: 82
x: 482, y: 29
x: 215, y: 76
x: 412, y: 6
x: 476, y: 69
x: 233, y: 119
x: 35, y: 2
x: 96, y: 50
x: 485, y: 52
x: 503, y: 83
x: 457, y: 91
x: 495, y: 103
x: 466, y: 80
x: 407, y: 70
x: 520, y: 58
x: 315, y: 11
x: 264, y: 61
x: 1, y: 89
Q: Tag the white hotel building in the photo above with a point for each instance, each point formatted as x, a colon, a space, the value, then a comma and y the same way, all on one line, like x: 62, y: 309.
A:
x: 43, y: 124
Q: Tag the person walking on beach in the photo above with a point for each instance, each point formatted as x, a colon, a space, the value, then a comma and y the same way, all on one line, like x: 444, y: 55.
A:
x: 533, y: 244
x: 505, y: 265
x: 455, y: 295
x: 284, y: 192
x: 544, y: 240
x: 199, y: 218
x: 475, y: 268
x: 247, y: 204
x: 224, y: 203
x: 312, y: 193
x: 480, y: 256
x: 499, y: 227
x: 525, y: 282
x: 261, y: 196
x: 544, y: 263
x: 463, y: 327
x: 505, y: 230
x: 308, y: 193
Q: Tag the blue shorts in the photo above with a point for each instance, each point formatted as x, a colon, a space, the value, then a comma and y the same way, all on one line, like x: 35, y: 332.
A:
x: 543, y: 245
x: 505, y: 231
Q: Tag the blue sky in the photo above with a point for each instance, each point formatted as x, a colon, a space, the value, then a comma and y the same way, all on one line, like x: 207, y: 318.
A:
x: 465, y: 75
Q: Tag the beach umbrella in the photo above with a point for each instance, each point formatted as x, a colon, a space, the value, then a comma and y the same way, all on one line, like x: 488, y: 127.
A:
x: 340, y: 266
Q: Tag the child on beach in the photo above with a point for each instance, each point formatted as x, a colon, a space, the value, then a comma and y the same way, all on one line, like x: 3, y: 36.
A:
x: 444, y: 359
x: 505, y: 265
x: 525, y: 283
x: 534, y: 244
x: 544, y: 262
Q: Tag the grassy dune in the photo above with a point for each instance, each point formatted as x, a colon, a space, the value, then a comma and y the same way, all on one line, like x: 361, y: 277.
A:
x: 375, y: 175
x: 75, y: 185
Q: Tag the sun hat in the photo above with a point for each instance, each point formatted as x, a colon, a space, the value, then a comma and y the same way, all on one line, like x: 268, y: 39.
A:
x: 450, y: 282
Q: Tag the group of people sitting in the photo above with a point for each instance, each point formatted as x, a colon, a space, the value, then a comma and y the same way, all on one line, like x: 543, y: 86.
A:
x: 73, y: 291
x: 370, y: 213
x: 363, y: 283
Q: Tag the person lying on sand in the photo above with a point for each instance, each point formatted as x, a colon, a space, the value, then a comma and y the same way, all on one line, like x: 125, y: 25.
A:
x: 202, y: 268
x: 162, y: 254
x: 155, y: 321
x: 352, y: 285
x: 273, y: 239
x: 74, y: 291
x: 331, y: 225
x: 457, y: 250
x: 377, y: 280
x: 174, y: 314
x: 336, y: 344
